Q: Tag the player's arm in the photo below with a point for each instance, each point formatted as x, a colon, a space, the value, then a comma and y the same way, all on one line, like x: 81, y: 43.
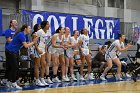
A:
x: 124, y: 48
x: 54, y: 43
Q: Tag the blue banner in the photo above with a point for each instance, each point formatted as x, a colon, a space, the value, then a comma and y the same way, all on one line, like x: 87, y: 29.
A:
x: 98, y: 27
x: 0, y: 21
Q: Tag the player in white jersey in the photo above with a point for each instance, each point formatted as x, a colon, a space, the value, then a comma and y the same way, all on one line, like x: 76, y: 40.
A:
x: 58, y: 53
x: 34, y: 51
x: 74, y: 42
x: 48, y: 57
x: 85, y: 53
x: 69, y: 60
x: 35, y: 55
x: 112, y: 56
x: 43, y: 36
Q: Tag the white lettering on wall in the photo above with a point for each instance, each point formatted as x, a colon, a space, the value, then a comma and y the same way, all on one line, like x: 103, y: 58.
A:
x: 62, y: 20
x: 102, y: 33
x: 88, y: 25
x: 97, y: 28
x: 110, y: 26
x: 50, y: 18
x: 36, y: 17
x: 74, y: 23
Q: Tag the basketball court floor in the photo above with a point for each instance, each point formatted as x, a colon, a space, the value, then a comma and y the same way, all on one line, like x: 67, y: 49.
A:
x: 92, y: 86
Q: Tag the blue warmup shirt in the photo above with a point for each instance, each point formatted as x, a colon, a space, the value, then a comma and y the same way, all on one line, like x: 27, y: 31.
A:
x: 17, y: 43
x: 9, y: 33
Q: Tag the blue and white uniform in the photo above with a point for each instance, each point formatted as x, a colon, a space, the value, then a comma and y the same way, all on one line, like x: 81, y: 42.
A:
x: 43, y: 40
x: 112, y: 51
x: 74, y: 41
x: 66, y: 39
x: 33, y: 51
x: 57, y: 51
x: 85, y: 44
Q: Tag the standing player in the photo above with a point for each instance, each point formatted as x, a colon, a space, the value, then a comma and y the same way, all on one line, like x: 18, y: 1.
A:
x: 48, y: 57
x: 112, y: 56
x: 58, y: 53
x: 85, y: 53
x: 43, y: 36
x: 67, y: 43
x: 74, y: 41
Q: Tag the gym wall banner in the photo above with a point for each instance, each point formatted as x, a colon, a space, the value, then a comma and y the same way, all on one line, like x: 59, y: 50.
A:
x: 0, y: 21
x: 98, y: 27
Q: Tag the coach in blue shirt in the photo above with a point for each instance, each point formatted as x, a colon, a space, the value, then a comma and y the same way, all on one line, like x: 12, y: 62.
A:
x: 12, y: 50
x: 10, y: 31
x: 9, y: 36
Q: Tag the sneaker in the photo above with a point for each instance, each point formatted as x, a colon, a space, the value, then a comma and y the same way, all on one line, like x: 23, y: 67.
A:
x: 127, y: 75
x: 67, y: 78
x: 38, y: 83
x: 14, y: 85
x: 8, y: 84
x: 3, y: 81
x: 82, y: 78
x: 102, y: 78
x: 64, y: 79
x: 118, y: 78
x: 90, y: 77
x: 73, y: 77
x: 43, y: 82
x: 56, y: 80
x: 49, y: 80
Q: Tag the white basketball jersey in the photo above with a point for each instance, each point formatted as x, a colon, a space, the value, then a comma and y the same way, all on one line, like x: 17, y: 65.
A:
x: 85, y: 40
x: 43, y: 38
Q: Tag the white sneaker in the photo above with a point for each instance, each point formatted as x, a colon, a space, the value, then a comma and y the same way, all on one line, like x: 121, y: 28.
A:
x: 118, y: 78
x: 82, y: 78
x: 38, y: 83
x: 90, y: 77
x: 3, y: 81
x: 8, y: 84
x: 67, y: 79
x: 14, y: 85
x: 56, y: 80
x: 127, y: 75
x: 64, y: 79
x: 102, y: 78
x: 43, y: 82
x: 73, y: 77
x: 49, y: 80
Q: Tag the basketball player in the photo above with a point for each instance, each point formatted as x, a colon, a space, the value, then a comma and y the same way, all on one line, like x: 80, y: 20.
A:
x: 112, y: 56
x: 43, y: 36
x: 85, y: 53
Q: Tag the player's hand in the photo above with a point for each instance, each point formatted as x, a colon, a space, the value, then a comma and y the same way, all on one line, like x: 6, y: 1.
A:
x: 35, y: 39
x: 129, y: 44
